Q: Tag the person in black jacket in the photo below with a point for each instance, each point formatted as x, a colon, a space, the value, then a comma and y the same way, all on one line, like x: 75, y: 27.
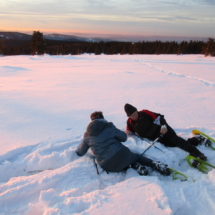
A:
x: 150, y: 125
x: 105, y: 139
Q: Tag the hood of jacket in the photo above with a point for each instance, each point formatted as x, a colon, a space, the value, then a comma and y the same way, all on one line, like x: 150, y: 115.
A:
x: 96, y: 127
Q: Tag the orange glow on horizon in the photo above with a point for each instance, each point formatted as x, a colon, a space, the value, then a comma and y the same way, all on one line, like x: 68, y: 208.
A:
x: 58, y: 31
x: 44, y: 30
x: 69, y: 32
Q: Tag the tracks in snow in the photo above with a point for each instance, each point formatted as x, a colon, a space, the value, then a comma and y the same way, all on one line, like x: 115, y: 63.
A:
x: 171, y: 73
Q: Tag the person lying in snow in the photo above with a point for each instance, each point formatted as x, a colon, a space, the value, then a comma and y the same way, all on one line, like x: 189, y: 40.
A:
x: 105, y: 139
x: 151, y: 125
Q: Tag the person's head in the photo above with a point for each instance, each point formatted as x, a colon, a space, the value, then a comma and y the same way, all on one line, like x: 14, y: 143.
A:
x: 131, y: 111
x: 96, y: 115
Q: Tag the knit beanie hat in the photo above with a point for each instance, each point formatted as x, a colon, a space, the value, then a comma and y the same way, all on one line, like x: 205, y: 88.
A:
x: 129, y: 109
x: 96, y: 115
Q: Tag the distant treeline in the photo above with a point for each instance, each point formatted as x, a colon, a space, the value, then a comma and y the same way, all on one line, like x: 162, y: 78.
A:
x: 110, y: 48
x: 53, y: 47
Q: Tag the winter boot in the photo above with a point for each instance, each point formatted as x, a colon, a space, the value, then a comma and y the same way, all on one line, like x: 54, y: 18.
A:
x: 202, y: 157
x: 202, y: 140
x: 140, y: 168
x: 196, y: 163
x: 196, y: 153
x: 162, y: 168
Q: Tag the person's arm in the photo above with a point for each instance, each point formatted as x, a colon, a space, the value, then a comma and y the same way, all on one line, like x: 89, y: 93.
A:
x: 157, y: 117
x: 120, y: 135
x: 159, y: 120
x: 153, y: 115
x: 162, y: 120
x: 83, y: 148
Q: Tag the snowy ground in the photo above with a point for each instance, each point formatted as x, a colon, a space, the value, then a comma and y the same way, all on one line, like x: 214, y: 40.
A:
x: 45, y: 103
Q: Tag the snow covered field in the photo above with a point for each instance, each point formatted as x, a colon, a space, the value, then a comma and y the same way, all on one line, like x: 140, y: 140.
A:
x: 45, y: 103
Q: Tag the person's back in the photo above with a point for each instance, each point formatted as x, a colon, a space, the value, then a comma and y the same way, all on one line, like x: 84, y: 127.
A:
x: 104, y: 140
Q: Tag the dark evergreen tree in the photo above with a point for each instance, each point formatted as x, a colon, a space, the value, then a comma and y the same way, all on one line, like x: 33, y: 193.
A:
x: 37, y: 43
x: 125, y: 48
x: 90, y: 48
x: 131, y: 49
x: 97, y: 51
x: 1, y: 45
x: 158, y: 47
x: 102, y: 46
x: 210, y: 47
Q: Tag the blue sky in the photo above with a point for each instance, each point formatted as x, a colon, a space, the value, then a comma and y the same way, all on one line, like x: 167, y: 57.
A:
x: 122, y: 17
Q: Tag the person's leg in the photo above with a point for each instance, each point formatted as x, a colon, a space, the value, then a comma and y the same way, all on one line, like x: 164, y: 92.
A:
x: 181, y: 143
x: 199, y: 140
x: 141, y: 169
x: 164, y: 140
x: 146, y: 161
x: 160, y: 167
x: 193, y: 141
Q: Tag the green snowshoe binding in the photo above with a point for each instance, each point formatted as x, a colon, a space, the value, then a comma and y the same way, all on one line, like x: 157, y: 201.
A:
x: 199, y: 164
x: 204, y: 139
x: 176, y: 175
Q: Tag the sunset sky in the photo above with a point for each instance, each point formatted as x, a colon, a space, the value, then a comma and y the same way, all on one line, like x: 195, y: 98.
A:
x: 118, y: 17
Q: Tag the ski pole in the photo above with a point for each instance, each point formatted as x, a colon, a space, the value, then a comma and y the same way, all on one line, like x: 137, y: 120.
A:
x: 148, y: 147
x: 158, y: 148
x: 94, y: 161
x: 151, y: 143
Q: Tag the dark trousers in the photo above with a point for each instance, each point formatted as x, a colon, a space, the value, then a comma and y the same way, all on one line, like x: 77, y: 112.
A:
x: 146, y: 162
x: 171, y: 139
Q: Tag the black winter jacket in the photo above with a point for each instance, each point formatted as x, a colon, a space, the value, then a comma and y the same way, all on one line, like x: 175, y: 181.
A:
x: 145, y: 125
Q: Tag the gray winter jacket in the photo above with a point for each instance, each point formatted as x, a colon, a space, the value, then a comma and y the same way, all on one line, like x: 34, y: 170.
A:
x: 104, y: 139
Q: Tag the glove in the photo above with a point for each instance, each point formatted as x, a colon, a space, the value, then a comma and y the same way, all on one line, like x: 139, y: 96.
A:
x: 163, y: 129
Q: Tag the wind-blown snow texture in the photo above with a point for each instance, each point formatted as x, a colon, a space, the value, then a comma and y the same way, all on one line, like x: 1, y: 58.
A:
x: 45, y: 103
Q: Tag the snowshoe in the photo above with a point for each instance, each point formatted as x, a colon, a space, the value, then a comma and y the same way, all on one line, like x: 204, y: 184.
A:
x: 207, y: 141
x: 162, y: 168
x: 203, y: 140
x: 199, y: 164
x: 140, y: 168
x: 176, y: 175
